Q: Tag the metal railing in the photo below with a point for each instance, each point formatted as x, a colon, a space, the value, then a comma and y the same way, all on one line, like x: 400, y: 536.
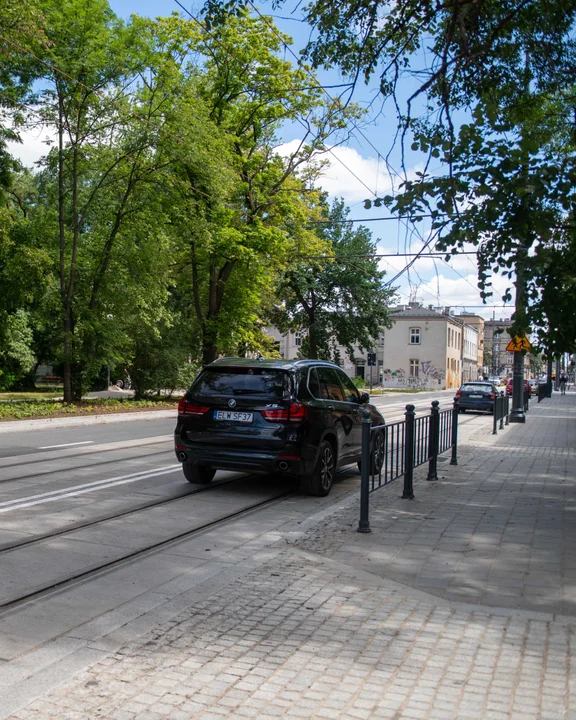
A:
x: 392, y: 451
x: 501, y: 412
x: 544, y: 390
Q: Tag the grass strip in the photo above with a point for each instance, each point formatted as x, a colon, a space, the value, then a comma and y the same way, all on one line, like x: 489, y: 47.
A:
x: 30, y: 409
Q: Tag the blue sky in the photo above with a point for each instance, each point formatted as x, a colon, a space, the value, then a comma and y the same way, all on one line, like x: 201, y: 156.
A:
x: 356, y: 172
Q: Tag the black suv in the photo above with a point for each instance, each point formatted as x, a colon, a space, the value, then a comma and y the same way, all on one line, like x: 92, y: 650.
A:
x: 295, y: 417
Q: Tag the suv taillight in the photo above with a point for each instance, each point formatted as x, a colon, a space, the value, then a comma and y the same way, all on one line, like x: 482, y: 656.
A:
x: 492, y: 395
x: 278, y: 415
x: 458, y: 393
x: 188, y: 408
x: 294, y: 413
x: 297, y: 412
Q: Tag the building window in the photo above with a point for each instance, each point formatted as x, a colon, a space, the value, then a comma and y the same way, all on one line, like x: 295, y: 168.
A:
x: 414, y: 365
x: 448, y: 364
x: 414, y: 338
x: 298, y: 339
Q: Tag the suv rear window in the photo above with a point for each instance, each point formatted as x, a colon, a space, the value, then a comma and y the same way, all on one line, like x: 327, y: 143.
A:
x: 274, y: 384
x: 478, y: 387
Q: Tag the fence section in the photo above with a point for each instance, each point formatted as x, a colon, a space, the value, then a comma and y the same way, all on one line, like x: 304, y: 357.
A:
x: 392, y: 451
x: 501, y: 412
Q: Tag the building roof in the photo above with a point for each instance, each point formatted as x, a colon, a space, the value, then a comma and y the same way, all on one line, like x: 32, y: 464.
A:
x: 416, y: 311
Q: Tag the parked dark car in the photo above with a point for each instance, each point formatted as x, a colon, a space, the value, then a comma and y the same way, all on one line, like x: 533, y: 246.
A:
x: 476, y: 395
x: 510, y: 386
x: 297, y: 417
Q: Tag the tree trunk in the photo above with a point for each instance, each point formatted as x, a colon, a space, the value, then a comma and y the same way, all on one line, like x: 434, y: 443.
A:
x: 67, y: 320
x: 312, y: 344
x: 209, y: 351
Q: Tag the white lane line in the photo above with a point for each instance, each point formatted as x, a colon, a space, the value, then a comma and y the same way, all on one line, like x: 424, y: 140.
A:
x: 50, y: 447
x: 82, y: 489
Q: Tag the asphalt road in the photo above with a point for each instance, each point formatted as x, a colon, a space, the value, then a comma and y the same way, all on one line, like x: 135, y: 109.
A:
x: 74, y: 499
x: 61, y: 439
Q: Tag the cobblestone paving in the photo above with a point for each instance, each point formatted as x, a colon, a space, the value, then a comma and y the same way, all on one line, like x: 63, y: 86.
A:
x: 500, y: 529
x: 291, y: 640
x: 436, y: 615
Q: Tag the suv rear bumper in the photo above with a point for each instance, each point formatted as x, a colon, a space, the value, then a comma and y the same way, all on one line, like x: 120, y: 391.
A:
x: 476, y: 404
x: 237, y: 459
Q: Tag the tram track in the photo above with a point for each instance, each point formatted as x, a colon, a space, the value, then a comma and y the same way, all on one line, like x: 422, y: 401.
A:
x: 92, y: 571
x: 107, y: 518
x: 80, y: 467
x: 117, y: 538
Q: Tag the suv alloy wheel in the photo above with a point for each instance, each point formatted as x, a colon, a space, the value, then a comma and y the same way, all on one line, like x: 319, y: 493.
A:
x: 319, y: 483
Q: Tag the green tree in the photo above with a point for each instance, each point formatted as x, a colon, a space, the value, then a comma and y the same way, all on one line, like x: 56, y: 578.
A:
x: 89, y: 189
x: 338, y: 299
x: 241, y: 210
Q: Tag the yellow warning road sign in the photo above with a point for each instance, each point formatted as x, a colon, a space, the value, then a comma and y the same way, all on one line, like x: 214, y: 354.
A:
x: 517, y: 344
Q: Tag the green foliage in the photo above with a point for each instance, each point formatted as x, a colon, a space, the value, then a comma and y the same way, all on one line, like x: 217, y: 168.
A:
x: 506, y: 193
x: 153, y: 234
x: 338, y: 299
x: 359, y: 382
x: 23, y: 410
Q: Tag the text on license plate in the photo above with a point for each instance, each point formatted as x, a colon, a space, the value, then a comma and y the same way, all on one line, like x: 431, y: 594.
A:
x: 234, y: 415
x: 475, y: 396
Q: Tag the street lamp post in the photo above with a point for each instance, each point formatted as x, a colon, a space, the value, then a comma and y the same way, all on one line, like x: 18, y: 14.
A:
x: 517, y: 413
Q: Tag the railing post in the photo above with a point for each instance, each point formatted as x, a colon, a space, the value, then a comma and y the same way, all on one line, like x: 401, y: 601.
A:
x: 495, y: 413
x: 410, y: 416
x: 454, y: 459
x: 364, y: 524
x: 433, y: 441
x: 502, y: 409
x: 507, y: 408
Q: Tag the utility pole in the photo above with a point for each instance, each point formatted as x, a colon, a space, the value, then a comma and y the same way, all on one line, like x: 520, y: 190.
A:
x: 517, y: 414
x: 524, y: 241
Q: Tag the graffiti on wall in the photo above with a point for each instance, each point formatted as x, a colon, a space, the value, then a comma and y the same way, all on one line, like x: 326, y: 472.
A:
x: 427, y: 369
x: 418, y: 383
x: 388, y: 374
x: 429, y: 376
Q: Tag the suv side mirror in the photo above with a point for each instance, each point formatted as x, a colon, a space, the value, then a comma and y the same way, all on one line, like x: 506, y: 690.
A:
x: 364, y: 398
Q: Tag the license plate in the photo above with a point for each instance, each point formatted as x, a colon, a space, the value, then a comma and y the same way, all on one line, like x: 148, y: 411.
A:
x: 476, y: 397
x: 233, y: 415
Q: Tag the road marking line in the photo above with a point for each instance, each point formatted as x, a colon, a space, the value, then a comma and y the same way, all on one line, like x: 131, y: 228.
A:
x: 50, y: 447
x: 84, y: 488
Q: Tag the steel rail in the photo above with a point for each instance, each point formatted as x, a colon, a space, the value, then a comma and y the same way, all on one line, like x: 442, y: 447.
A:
x: 141, y: 552
x: 79, y: 467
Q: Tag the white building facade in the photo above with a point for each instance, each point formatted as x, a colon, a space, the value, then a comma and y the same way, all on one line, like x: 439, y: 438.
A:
x: 427, y: 349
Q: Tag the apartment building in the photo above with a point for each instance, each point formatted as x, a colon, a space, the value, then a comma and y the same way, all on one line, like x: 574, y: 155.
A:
x: 425, y: 348
x: 477, y: 322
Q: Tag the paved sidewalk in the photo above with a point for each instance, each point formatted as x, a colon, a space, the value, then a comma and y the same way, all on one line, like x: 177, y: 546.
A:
x: 461, y: 604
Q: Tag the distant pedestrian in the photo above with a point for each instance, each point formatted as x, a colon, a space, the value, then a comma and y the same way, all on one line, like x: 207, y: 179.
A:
x: 563, y: 383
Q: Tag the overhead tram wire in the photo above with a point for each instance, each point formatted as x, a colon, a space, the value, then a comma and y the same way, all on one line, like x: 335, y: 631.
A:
x: 172, y: 178
x: 377, y: 255
x: 361, y: 220
x: 413, y: 229
x: 327, y: 149
x: 311, y: 75
x: 354, y: 125
x: 298, y: 60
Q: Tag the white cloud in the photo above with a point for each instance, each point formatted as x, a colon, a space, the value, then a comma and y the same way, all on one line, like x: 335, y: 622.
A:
x: 347, y: 174
x: 33, y: 146
x: 462, y: 294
